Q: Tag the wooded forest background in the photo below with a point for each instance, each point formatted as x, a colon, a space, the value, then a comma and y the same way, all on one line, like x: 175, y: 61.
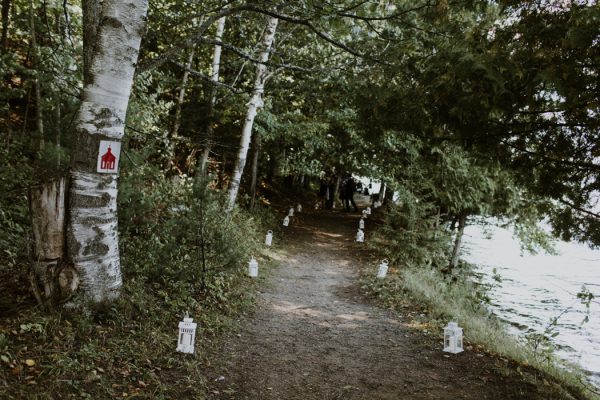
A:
x: 464, y: 109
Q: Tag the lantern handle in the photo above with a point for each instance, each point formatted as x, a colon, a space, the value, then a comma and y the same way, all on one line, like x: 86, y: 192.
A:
x: 385, y: 261
x: 270, y: 231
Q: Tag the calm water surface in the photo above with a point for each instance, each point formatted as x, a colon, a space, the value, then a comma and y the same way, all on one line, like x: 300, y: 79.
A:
x: 537, y: 288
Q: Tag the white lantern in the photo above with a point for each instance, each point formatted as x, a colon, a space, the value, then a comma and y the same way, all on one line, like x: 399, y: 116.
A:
x: 368, y: 210
x: 299, y: 208
x: 269, y: 238
x: 383, y: 267
x: 365, y: 214
x: 291, y: 212
x: 286, y: 221
x: 253, y: 268
x: 316, y: 206
x: 187, y: 335
x: 361, y: 223
x: 377, y: 204
x: 453, y: 338
x: 360, y: 236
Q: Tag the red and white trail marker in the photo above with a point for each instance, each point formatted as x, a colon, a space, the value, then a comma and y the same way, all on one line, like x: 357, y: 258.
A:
x: 108, y: 157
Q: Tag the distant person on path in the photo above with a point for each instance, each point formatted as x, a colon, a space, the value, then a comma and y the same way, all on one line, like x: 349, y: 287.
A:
x: 331, y: 181
x: 348, y: 189
x: 322, y: 189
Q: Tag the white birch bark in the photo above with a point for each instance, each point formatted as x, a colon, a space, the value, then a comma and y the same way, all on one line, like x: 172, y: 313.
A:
x: 92, y: 238
x: 181, y: 97
x: 214, y: 77
x: 253, y: 105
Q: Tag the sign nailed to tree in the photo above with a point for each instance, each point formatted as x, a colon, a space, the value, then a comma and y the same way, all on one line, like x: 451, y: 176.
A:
x: 108, y: 157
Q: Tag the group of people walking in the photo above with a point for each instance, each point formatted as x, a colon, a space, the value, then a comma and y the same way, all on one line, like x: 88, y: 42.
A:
x: 328, y: 185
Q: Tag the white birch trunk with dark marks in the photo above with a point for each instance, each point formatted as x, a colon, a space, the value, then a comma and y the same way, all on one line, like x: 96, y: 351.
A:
x: 92, y: 237
x: 214, y: 77
x: 253, y: 105
x: 462, y: 219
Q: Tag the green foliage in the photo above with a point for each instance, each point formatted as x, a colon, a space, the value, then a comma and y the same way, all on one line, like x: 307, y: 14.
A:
x: 175, y: 237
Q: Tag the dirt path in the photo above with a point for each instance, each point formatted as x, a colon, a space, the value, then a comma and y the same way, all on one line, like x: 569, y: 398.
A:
x: 313, y: 337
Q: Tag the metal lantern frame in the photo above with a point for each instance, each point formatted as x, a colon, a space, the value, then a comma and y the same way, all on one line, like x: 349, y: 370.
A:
x: 286, y: 220
x: 291, y: 212
x: 360, y: 236
x: 269, y: 238
x: 299, y: 208
x: 253, y: 268
x: 453, y: 338
x: 383, y: 268
x: 361, y: 223
x: 187, y: 335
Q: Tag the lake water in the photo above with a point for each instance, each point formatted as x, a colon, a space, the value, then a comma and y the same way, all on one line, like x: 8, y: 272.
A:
x: 537, y: 288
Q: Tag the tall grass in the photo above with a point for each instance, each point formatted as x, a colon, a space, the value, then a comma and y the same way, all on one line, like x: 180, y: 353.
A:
x: 463, y: 300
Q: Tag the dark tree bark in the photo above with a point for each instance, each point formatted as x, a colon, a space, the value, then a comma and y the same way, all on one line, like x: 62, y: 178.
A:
x: 257, y: 145
x: 91, y: 20
x: 5, y: 13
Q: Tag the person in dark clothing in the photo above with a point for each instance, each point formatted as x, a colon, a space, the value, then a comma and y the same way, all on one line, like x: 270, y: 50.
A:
x: 322, y: 189
x: 348, y: 189
x: 331, y: 181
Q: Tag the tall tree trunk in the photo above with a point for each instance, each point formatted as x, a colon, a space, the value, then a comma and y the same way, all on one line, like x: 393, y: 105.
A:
x: 255, y: 103
x: 92, y: 236
x: 4, y: 37
x: 178, y: 106
x: 462, y: 218
x: 214, y: 77
x: 181, y: 96
x: 272, y: 167
x: 39, y: 117
x: 91, y: 10
x: 257, y: 144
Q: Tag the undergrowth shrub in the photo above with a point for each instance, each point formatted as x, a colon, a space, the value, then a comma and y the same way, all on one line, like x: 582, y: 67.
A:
x: 179, y: 244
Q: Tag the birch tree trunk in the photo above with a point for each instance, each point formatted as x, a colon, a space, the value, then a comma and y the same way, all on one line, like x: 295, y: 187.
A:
x: 214, y: 77
x: 255, y: 103
x: 181, y: 96
x: 92, y: 238
x: 462, y: 218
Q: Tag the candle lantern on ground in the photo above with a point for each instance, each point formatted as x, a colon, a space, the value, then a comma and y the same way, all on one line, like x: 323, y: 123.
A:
x: 364, y: 212
x: 269, y: 238
x: 453, y: 338
x: 291, y: 212
x: 361, y: 223
x: 383, y: 268
x: 187, y: 335
x: 368, y: 210
x: 299, y: 208
x: 360, y: 236
x: 253, y: 268
x: 286, y: 221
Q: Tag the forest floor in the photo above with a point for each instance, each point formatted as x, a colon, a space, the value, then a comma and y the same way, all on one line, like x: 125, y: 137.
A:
x: 314, y: 336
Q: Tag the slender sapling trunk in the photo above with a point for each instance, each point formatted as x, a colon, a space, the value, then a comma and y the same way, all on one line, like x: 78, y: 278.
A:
x: 255, y: 103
